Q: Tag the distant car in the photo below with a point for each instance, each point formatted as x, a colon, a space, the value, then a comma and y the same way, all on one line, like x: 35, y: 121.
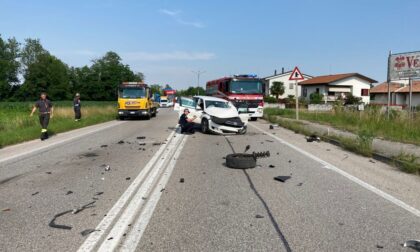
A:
x: 215, y: 115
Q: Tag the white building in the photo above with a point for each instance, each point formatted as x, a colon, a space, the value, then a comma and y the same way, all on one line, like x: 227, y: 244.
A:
x: 289, y: 86
x: 400, y: 92
x: 338, y: 85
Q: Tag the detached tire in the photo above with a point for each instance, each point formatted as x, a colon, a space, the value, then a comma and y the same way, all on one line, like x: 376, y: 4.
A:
x: 205, y: 126
x: 240, y: 161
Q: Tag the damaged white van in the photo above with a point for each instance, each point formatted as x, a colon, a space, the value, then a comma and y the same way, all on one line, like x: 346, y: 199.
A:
x: 215, y: 115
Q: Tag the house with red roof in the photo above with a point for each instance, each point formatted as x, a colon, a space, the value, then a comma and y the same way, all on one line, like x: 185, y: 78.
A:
x: 336, y: 86
x: 399, y: 94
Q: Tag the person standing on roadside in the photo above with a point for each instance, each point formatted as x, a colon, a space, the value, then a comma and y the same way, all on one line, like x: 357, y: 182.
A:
x: 77, y: 108
x: 46, y: 111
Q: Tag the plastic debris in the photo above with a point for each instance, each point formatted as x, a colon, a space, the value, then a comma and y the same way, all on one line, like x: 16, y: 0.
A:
x: 259, y: 216
x: 104, y: 146
x: 48, y: 172
x: 88, y: 231
x: 127, y: 178
x: 88, y: 205
x: 141, y: 137
x: 300, y: 184
x: 99, y: 193
x: 107, y: 167
x: 379, y: 246
x: 5, y: 209
x: 414, y: 244
x: 69, y: 192
x: 271, y: 166
x: 270, y: 141
x: 181, y: 180
x: 247, y: 148
x: 35, y: 193
x: 120, y: 142
x: 52, y: 222
x: 313, y: 138
x: 282, y: 178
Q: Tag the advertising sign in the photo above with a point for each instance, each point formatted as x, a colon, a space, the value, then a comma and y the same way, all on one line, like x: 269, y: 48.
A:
x: 404, y: 65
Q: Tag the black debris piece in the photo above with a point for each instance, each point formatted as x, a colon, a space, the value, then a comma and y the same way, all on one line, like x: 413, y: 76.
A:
x: 313, y: 138
x: 271, y: 166
x: 94, y: 198
x: 141, y: 137
x: 181, y: 180
x: 282, y: 178
x: 290, y: 161
x: 104, y: 146
x: 52, y: 222
x: 69, y: 192
x: 88, y: 205
x: 262, y: 142
x: 271, y: 127
x: 341, y: 223
x: 370, y: 160
x: 99, y: 193
x: 163, y: 189
x: 224, y: 157
x: 89, y: 154
x: 414, y: 244
x: 107, y: 167
x: 5, y: 209
x: 88, y: 231
x: 94, y: 214
x: 35, y: 193
x: 278, y: 153
x: 328, y: 150
x: 120, y: 142
x: 270, y: 141
x: 110, y: 238
x: 157, y: 143
x: 144, y: 198
x: 142, y: 144
x: 379, y: 246
x: 259, y: 216
x: 300, y: 184
x: 127, y: 178
x: 247, y: 148
x: 48, y: 172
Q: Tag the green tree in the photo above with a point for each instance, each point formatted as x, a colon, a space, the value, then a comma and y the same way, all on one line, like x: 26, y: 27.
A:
x: 9, y: 66
x: 316, y: 98
x: 350, y: 99
x: 156, y: 89
x: 46, y: 74
x: 277, y: 89
x: 31, y: 50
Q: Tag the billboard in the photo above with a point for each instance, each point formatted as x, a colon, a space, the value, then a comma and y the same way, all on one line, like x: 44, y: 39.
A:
x: 404, y: 65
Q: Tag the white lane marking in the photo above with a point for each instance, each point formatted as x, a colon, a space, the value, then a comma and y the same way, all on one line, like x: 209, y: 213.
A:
x: 329, y: 166
x: 134, y: 237
x: 135, y: 204
x: 50, y: 144
x: 91, y: 242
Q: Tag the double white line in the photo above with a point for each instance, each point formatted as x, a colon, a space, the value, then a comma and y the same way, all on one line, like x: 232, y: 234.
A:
x: 124, y: 225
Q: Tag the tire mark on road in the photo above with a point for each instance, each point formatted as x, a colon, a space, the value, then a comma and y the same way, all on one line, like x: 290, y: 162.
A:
x: 267, y: 209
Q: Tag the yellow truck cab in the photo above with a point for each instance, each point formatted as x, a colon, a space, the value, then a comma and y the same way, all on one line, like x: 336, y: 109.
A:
x: 135, y: 100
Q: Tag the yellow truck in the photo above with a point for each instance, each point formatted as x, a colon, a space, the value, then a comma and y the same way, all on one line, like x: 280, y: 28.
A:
x: 135, y: 100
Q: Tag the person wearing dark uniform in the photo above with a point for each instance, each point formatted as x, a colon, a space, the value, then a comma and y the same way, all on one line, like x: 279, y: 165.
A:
x: 46, y: 111
x: 187, y: 125
x: 77, y: 108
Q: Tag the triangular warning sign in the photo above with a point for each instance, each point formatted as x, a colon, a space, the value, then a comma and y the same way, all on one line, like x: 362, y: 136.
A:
x: 296, y: 75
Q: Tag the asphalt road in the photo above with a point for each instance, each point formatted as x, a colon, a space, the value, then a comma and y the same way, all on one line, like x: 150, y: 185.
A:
x: 179, y: 195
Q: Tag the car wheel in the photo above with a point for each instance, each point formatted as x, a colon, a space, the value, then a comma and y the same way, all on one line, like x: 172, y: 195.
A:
x: 205, y: 126
x: 240, y: 161
x: 154, y: 113
x: 254, y: 119
x: 148, y: 116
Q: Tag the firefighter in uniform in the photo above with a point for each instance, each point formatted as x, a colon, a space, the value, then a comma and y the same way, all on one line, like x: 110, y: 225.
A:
x: 46, y: 111
x: 77, y: 108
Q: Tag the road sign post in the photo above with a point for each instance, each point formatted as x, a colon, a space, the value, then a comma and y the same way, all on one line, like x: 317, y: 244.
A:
x: 296, y: 75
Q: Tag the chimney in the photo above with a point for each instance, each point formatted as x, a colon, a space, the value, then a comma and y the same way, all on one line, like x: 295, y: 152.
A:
x: 275, y: 71
x: 282, y: 70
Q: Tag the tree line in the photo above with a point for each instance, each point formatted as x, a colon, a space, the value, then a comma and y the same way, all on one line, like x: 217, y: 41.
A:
x: 26, y: 69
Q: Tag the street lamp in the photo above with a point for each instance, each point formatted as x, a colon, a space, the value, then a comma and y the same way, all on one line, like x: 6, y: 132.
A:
x: 198, y: 78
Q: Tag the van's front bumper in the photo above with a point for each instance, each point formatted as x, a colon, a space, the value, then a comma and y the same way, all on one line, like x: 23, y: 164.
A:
x: 133, y: 113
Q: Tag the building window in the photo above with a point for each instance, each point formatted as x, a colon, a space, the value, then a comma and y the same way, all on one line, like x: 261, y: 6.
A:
x: 291, y: 85
x: 365, y: 92
x: 305, y: 92
x: 317, y: 90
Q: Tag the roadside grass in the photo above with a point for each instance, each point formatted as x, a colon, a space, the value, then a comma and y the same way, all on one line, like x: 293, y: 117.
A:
x: 399, y: 128
x: 361, y: 145
x: 16, y: 126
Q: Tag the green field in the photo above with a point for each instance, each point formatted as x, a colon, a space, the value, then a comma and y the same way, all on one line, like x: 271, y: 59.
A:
x: 398, y: 128
x: 17, y: 126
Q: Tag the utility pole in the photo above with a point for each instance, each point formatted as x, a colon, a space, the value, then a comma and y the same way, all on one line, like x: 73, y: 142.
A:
x: 198, y: 73
x: 388, y: 80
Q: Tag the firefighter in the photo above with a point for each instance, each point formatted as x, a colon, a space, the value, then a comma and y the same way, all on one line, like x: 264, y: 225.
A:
x: 46, y: 111
x: 77, y: 108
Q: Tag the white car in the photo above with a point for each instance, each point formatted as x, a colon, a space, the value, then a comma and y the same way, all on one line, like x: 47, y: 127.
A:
x: 213, y: 114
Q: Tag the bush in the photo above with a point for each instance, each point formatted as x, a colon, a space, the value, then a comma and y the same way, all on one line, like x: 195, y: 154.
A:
x: 316, y: 98
x: 351, y: 99
x: 270, y: 99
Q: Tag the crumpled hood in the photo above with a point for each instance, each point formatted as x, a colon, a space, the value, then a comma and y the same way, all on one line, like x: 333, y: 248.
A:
x: 222, y: 112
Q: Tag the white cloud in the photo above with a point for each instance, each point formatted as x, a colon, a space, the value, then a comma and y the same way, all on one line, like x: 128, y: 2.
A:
x: 175, y: 14
x: 167, y: 56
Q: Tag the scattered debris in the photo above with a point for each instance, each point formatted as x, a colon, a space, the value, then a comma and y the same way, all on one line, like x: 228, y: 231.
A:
x: 271, y: 127
x: 243, y: 160
x: 110, y: 238
x: 290, y: 161
x: 282, y: 178
x: 94, y: 198
x: 181, y: 180
x: 163, y: 189
x: 370, y: 160
x: 35, y: 193
x: 313, y: 138
x: 144, y: 198
x: 104, y: 146
x: 345, y: 157
x: 270, y: 141
x: 88, y: 205
x: 89, y: 154
x: 52, y: 222
x: 259, y: 216
x: 379, y: 246
x: 120, y: 142
x: 328, y: 150
x: 414, y: 244
x: 127, y: 178
x: 5, y: 210
x: 102, y: 178
x: 107, y: 167
x: 271, y: 166
x: 88, y: 231
x: 157, y: 143
x: 69, y: 192
x: 341, y: 223
x: 99, y: 193
x: 278, y: 153
x: 141, y: 137
x: 300, y: 184
x: 247, y: 148
x: 48, y: 172
x: 142, y: 144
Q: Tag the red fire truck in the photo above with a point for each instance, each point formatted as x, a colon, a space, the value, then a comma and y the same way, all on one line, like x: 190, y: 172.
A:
x: 246, y: 92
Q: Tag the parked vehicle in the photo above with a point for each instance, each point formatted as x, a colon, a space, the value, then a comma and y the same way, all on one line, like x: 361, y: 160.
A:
x: 215, y: 115
x: 135, y: 100
x: 246, y: 92
x: 163, y: 101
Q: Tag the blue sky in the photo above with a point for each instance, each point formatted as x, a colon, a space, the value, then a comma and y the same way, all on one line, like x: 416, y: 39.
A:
x: 167, y: 40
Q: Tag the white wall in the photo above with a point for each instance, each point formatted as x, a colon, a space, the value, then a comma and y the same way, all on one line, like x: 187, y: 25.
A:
x: 357, y: 85
x: 287, y: 84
